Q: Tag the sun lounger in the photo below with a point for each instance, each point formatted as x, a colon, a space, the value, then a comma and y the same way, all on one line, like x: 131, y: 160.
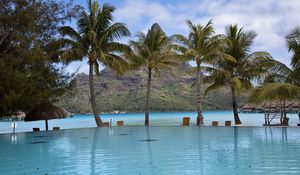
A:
x: 56, y: 128
x: 106, y: 124
x: 36, y: 129
x: 186, y: 121
x: 215, y: 123
x: 120, y: 123
x: 227, y: 123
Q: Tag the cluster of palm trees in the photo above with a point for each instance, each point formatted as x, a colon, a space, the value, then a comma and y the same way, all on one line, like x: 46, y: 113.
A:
x: 221, y: 60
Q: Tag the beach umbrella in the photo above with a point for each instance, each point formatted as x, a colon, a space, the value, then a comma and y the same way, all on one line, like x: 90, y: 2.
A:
x: 46, y: 111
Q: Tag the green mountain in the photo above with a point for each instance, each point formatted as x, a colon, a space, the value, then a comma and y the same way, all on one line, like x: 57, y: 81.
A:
x: 171, y: 91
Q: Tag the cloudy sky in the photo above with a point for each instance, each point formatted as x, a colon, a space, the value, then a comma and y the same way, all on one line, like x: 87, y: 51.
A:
x: 270, y: 19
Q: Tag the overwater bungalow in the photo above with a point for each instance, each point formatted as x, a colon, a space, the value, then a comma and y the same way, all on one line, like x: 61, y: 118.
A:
x: 14, y: 116
x: 273, y: 112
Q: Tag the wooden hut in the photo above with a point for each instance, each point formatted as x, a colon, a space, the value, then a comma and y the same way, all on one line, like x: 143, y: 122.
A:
x: 275, y: 114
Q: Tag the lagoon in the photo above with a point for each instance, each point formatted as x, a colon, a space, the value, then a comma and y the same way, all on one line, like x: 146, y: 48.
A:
x: 134, y: 119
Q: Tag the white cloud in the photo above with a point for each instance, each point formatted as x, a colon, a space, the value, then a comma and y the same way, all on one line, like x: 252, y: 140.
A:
x: 270, y: 19
x: 78, y: 67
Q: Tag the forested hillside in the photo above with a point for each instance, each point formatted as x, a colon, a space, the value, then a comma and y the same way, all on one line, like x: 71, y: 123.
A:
x: 171, y: 91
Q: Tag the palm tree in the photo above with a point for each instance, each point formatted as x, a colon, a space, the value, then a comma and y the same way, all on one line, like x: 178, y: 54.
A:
x: 95, y: 40
x: 152, y: 50
x: 200, y: 46
x: 238, y: 74
x: 282, y: 83
x: 293, y: 40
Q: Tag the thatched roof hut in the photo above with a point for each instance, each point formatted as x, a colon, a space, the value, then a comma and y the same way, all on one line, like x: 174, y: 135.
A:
x: 292, y: 107
x: 274, y: 111
x: 46, y: 112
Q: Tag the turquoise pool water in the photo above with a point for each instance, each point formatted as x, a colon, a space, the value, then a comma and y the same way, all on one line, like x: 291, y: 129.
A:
x: 156, y: 119
x: 153, y: 150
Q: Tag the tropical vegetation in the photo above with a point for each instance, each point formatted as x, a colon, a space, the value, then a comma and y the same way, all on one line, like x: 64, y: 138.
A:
x: 201, y: 46
x: 95, y: 40
x: 36, y: 45
x: 282, y: 83
x: 28, y: 72
x: 241, y: 69
x: 154, y: 51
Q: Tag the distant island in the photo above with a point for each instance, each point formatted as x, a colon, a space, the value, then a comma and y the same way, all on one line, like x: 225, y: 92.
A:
x: 171, y: 92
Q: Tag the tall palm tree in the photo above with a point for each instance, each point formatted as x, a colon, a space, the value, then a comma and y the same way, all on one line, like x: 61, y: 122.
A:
x: 238, y: 74
x: 152, y: 50
x: 95, y: 40
x: 201, y: 46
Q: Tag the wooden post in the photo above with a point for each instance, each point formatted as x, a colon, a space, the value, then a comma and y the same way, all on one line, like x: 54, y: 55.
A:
x: 14, y: 128
x: 46, y: 122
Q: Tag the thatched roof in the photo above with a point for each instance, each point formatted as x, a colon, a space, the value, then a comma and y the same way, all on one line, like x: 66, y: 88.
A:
x: 46, y: 111
x: 294, y: 106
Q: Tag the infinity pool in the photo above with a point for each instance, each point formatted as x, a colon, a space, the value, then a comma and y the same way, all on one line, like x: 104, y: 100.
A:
x: 153, y: 150
x: 135, y: 119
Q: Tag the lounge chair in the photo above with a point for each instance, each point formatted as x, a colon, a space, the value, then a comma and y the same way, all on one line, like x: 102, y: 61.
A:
x: 56, y: 128
x: 120, y: 123
x: 36, y: 129
x: 214, y: 123
x: 227, y: 123
x: 186, y: 121
x: 106, y: 124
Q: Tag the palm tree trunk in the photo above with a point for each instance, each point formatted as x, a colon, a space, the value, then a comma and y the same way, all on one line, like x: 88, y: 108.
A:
x: 147, y: 98
x: 234, y: 107
x: 199, y: 96
x: 98, y: 120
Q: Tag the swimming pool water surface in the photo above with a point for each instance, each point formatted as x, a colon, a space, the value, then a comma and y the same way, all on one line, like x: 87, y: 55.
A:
x: 153, y: 150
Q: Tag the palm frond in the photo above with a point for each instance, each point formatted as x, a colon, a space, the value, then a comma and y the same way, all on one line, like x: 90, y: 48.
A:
x: 293, y: 41
x: 96, y: 68
x: 180, y: 40
x: 115, y: 62
x: 116, y: 48
x: 114, y: 32
x: 70, y: 32
x: 72, y: 54
x: 152, y: 50
x: 215, y: 85
x: 275, y: 92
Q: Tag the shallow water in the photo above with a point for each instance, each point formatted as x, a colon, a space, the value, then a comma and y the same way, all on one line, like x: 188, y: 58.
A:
x: 153, y: 150
x: 156, y: 119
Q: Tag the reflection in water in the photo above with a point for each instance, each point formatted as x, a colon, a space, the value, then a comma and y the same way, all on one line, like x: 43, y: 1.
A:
x: 284, y: 135
x: 271, y: 136
x: 14, y: 139
x: 200, y: 149
x: 111, y: 130
x: 93, y: 151
x: 235, y: 144
x: 151, y: 163
x: 267, y: 130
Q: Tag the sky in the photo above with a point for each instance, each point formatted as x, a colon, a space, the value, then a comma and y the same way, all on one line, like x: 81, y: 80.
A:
x: 272, y: 20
